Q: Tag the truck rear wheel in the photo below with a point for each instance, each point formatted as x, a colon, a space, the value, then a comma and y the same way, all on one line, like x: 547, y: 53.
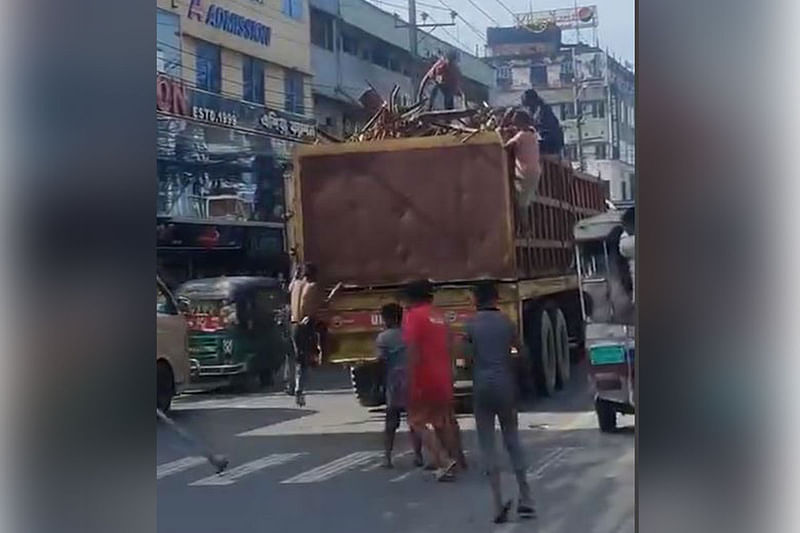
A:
x: 606, y: 415
x: 368, y: 384
x: 543, y: 351
x: 561, y: 343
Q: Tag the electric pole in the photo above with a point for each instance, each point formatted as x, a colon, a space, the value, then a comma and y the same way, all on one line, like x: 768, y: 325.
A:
x: 413, y: 43
x: 412, y: 29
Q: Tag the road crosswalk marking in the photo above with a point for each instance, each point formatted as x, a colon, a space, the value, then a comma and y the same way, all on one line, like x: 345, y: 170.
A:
x: 334, y: 468
x: 229, y: 477
x: 180, y: 465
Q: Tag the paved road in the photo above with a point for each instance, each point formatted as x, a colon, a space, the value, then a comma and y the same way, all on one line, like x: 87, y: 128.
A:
x: 317, y: 469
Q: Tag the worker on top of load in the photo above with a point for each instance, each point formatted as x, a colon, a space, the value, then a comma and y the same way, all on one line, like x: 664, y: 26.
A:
x: 551, y: 136
x: 446, y: 77
x: 521, y: 141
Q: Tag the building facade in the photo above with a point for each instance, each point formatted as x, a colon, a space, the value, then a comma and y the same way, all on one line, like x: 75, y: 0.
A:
x: 356, y: 46
x: 591, y: 93
x: 233, y: 97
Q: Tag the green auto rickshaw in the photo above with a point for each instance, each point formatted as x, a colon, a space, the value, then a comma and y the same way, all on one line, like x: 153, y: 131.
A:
x: 238, y: 330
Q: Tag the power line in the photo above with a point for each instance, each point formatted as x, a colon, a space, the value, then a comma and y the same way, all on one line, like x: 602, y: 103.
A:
x: 514, y: 15
x: 456, y: 39
x: 454, y: 13
x: 487, y: 15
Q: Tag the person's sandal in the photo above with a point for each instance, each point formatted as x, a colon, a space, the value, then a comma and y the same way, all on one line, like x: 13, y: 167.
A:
x: 526, y: 511
x: 502, y: 516
x: 446, y: 473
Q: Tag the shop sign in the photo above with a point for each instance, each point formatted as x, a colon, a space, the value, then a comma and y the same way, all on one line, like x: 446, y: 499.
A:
x: 233, y: 23
x: 280, y: 125
x: 199, y: 236
x: 566, y: 18
x: 171, y: 96
x: 175, y: 98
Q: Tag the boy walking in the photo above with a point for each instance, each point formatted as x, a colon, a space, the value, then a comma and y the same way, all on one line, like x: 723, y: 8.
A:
x: 491, y: 335
x: 392, y: 352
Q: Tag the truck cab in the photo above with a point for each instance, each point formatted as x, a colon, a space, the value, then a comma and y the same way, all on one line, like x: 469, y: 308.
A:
x: 609, y: 315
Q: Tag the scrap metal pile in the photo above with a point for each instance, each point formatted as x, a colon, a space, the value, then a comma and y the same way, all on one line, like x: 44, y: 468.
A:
x: 390, y: 120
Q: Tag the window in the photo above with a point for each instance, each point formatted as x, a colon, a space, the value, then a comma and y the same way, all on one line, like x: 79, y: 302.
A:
x: 293, y: 89
x: 380, y: 56
x: 571, y: 151
x: 349, y: 45
x: 321, y: 30
x: 165, y: 305
x: 624, y: 185
x: 538, y: 75
x: 168, y: 43
x: 293, y: 9
x: 566, y: 71
x: 209, y: 73
x: 600, y: 151
x: 253, y: 79
x: 503, y: 74
x: 567, y: 110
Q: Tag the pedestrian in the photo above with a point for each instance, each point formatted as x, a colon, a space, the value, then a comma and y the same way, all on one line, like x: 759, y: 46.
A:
x: 446, y: 77
x: 490, y: 336
x: 430, y: 399
x: 627, y: 246
x: 295, y: 290
x: 551, y: 135
x: 306, y: 301
x: 392, y: 353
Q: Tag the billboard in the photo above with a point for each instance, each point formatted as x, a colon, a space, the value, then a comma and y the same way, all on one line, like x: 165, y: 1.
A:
x: 567, y: 18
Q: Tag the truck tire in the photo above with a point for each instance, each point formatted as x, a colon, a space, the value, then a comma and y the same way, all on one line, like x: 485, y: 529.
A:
x: 543, y: 352
x: 561, y: 342
x: 368, y: 384
x: 606, y: 415
x: 165, y: 386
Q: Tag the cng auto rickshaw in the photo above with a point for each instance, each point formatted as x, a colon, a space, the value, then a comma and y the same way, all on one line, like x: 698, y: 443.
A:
x: 237, y: 330
x: 608, y: 309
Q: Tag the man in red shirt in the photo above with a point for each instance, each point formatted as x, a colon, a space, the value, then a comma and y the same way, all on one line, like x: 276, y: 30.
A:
x: 446, y: 77
x: 428, y: 342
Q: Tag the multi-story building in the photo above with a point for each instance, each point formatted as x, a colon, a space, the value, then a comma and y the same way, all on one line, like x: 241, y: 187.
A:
x: 233, y: 98
x: 356, y: 45
x: 589, y: 91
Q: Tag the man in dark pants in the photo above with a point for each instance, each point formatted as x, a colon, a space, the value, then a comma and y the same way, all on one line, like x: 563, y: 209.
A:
x: 446, y: 77
x: 490, y: 336
x: 545, y: 122
x: 305, y: 301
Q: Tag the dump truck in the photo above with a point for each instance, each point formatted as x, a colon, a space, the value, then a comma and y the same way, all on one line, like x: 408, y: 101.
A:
x: 375, y: 215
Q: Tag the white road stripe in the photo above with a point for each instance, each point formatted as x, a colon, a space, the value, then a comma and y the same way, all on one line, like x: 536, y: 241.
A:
x: 401, y: 477
x: 334, y: 468
x: 378, y: 461
x: 549, y: 461
x: 167, y: 469
x: 229, y: 477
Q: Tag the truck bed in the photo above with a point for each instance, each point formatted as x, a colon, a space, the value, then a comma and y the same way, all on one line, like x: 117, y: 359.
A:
x: 383, y: 213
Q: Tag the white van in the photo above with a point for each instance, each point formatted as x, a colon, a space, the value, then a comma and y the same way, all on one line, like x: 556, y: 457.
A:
x: 172, y: 357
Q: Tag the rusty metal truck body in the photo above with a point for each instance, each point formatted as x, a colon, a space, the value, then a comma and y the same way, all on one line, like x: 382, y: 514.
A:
x: 376, y: 215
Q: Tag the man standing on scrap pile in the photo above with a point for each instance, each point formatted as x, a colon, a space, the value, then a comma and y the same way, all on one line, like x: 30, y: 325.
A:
x: 551, y: 135
x: 446, y: 77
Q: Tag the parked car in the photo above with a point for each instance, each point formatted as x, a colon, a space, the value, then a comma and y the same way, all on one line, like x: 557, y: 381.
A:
x: 173, y: 367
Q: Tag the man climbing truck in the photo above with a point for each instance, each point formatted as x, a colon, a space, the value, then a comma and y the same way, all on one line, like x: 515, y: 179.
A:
x: 375, y: 215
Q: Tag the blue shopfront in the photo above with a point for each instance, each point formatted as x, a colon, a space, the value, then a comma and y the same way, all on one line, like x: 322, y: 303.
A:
x: 223, y: 166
